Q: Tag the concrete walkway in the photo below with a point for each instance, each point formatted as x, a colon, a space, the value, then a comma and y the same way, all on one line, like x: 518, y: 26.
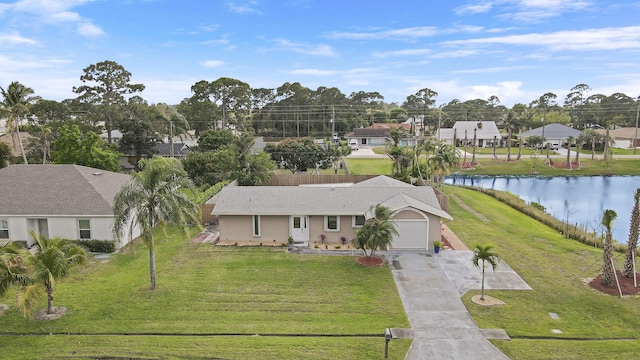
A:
x: 430, y: 286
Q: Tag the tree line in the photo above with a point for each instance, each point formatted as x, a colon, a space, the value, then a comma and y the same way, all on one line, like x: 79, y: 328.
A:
x: 108, y: 101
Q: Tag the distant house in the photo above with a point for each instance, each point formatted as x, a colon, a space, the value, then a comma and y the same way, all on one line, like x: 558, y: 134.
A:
x: 378, y: 134
x: 623, y: 137
x: 485, y: 132
x: 554, y: 134
x: 12, y: 141
x: 67, y: 201
x: 116, y: 136
x: 180, y: 150
x: 305, y: 212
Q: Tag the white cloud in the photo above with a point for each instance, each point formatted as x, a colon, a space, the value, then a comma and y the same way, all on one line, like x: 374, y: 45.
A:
x: 473, y: 9
x: 488, y: 70
x: 405, y: 52
x: 404, y: 33
x: 212, y: 63
x: 89, y: 30
x: 623, y: 38
x: 15, y: 38
x: 250, y: 7
x: 54, y: 12
x: 303, y: 48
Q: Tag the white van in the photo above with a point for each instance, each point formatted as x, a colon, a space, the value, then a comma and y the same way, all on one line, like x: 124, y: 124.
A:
x: 353, y: 144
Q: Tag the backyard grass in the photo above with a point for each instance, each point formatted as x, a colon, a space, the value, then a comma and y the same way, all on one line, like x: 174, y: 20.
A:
x: 204, y: 291
x: 593, y: 325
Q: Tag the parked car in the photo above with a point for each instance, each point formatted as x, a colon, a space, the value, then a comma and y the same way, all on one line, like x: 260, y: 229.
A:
x: 353, y: 144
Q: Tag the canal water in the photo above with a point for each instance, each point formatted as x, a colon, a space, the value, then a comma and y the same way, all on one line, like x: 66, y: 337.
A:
x: 579, y: 200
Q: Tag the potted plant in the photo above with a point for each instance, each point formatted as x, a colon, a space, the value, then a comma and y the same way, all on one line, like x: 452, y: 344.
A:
x: 437, y: 245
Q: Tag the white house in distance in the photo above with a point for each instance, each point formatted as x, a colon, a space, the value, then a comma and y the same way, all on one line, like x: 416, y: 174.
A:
x: 554, y: 134
x: 378, y: 134
x: 485, y: 131
x: 66, y: 201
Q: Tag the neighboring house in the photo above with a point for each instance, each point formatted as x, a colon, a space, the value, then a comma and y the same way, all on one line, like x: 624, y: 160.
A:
x: 180, y: 150
x: 116, y: 136
x: 623, y: 137
x: 485, y: 131
x: 554, y: 134
x: 273, y: 213
x: 67, y: 201
x: 378, y: 134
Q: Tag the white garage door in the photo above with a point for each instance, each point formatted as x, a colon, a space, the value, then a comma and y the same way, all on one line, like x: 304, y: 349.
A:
x: 412, y: 234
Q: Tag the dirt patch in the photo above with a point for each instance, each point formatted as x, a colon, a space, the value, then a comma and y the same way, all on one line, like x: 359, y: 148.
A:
x: 563, y: 165
x: 370, y: 261
x: 3, y: 308
x: 626, y: 285
x: 468, y: 208
x: 488, y: 300
x: 57, y: 313
x: 200, y: 238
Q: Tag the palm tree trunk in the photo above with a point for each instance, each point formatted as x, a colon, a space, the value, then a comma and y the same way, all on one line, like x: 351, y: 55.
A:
x: 509, y: 145
x: 482, y: 289
x: 569, y: 156
x: 607, y: 268
x: 24, y: 156
x: 520, y: 143
x: 152, y: 262
x: 50, y: 309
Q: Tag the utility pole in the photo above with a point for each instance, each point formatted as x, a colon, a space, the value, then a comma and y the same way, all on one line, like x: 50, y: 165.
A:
x: 333, y: 124
x: 635, y: 138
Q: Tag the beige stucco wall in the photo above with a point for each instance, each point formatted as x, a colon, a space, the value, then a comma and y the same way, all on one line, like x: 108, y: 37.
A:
x: 240, y: 228
x: 316, y: 228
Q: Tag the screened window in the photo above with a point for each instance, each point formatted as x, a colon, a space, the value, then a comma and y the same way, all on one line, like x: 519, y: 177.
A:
x: 256, y: 225
x: 358, y: 221
x: 4, y: 229
x: 332, y: 223
x: 85, y: 228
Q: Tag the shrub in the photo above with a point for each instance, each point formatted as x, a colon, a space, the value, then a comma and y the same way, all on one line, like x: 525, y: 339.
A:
x: 338, y: 247
x: 343, y: 240
x: 98, y: 246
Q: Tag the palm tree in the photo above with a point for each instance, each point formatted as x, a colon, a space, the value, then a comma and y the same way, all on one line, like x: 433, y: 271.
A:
x: 444, y: 158
x: 151, y: 198
x: 608, y: 272
x: 15, y: 103
x: 484, y: 254
x: 377, y: 232
x: 589, y: 136
x: 632, y: 242
x: 52, y: 261
x: 12, y: 269
x: 569, y: 141
x: 509, y: 120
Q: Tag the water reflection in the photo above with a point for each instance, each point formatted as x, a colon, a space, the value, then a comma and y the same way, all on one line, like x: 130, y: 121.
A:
x: 577, y: 199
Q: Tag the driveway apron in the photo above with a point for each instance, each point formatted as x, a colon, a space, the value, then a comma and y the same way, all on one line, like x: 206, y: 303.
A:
x: 442, y: 327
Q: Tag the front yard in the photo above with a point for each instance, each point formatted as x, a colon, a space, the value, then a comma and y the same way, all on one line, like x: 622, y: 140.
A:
x: 204, y: 291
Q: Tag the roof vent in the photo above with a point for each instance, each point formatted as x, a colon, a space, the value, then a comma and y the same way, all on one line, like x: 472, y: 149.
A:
x: 480, y: 125
x: 97, y: 173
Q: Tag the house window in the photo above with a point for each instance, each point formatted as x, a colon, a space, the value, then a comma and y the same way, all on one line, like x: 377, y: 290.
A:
x: 4, y: 229
x: 332, y: 223
x: 358, y: 221
x: 84, y: 226
x: 256, y: 225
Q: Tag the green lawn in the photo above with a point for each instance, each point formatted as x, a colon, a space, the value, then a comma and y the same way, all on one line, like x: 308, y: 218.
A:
x: 206, y: 290
x: 521, y: 167
x: 591, y: 323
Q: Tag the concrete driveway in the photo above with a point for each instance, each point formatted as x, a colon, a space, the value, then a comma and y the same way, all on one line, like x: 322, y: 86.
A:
x: 430, y: 286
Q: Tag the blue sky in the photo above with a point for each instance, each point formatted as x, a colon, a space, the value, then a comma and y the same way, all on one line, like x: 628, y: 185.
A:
x: 515, y: 49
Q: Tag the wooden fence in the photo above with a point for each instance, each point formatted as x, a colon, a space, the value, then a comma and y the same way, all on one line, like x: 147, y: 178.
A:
x: 205, y: 214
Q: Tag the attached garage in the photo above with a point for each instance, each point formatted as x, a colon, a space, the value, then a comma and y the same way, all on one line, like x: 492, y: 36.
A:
x: 412, y: 234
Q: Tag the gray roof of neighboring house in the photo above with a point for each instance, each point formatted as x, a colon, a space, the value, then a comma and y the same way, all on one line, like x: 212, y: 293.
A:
x: 351, y: 200
x: 69, y: 190
x: 552, y: 131
x: 486, y: 129
x: 179, y: 149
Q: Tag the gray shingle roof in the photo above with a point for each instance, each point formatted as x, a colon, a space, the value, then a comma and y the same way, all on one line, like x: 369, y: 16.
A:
x: 307, y: 200
x: 58, y: 190
x: 552, y: 131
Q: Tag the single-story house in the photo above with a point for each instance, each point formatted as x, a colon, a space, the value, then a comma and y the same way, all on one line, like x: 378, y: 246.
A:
x: 485, y: 131
x: 67, y: 201
x: 623, y: 137
x: 378, y: 134
x: 306, y: 212
x: 554, y: 134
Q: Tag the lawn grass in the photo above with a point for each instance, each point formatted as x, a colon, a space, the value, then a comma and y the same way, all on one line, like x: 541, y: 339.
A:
x: 207, y: 290
x: 360, y: 166
x: 548, y: 263
x: 500, y: 167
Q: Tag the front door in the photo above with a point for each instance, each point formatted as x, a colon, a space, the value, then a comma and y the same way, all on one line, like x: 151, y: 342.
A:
x: 299, y: 228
